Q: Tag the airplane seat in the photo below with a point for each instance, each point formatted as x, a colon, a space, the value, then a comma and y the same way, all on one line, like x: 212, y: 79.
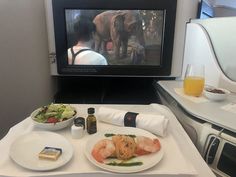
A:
x: 212, y: 42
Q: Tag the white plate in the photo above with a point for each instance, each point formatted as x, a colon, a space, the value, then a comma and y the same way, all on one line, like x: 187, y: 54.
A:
x: 25, y: 149
x: 149, y: 160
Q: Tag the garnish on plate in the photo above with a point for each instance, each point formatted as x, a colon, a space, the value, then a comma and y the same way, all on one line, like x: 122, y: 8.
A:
x: 112, y: 134
x: 125, y: 164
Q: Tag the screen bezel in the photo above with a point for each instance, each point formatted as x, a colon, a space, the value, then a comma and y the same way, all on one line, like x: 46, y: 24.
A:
x: 164, y: 69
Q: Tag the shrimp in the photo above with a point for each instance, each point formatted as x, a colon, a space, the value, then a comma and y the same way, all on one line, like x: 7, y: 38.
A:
x: 146, y: 145
x: 103, y: 149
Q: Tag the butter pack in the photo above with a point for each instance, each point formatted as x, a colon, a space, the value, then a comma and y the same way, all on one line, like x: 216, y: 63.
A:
x: 50, y: 153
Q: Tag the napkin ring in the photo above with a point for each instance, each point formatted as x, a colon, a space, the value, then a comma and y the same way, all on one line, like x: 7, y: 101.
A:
x: 130, y: 119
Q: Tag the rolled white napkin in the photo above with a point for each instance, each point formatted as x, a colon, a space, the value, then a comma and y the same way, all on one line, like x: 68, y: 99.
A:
x: 156, y: 124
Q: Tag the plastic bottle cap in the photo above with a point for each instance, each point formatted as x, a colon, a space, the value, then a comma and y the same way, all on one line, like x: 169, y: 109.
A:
x: 91, y: 110
x: 79, y: 121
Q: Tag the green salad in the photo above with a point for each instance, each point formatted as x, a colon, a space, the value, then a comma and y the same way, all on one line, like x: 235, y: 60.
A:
x: 54, y: 113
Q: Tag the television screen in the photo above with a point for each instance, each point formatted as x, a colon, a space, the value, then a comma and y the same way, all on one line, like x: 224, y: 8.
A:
x: 122, y: 37
x: 114, y: 39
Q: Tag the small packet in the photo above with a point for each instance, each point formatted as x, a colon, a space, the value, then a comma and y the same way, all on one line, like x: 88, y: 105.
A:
x: 50, y: 153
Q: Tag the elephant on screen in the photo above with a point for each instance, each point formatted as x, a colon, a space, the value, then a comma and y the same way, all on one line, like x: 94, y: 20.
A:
x: 117, y: 26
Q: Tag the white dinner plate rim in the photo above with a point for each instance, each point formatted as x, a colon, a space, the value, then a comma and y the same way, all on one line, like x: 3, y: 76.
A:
x: 159, y: 154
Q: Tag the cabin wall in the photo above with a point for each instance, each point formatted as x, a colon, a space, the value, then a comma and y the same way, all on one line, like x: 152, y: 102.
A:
x: 224, y: 11
x: 25, y: 80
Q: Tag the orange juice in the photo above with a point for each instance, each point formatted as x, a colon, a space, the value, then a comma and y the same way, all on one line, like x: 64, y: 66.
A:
x: 193, y: 85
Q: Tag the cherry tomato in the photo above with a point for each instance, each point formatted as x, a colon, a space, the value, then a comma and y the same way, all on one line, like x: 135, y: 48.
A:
x: 52, y: 120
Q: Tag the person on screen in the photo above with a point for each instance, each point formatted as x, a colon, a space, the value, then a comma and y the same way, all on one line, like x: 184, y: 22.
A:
x: 81, y: 53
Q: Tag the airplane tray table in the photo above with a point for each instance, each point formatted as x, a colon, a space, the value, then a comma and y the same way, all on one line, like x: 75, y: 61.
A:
x: 181, y: 158
x: 210, y: 111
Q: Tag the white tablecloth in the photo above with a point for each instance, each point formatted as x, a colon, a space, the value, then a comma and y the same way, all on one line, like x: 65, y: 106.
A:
x: 180, y: 156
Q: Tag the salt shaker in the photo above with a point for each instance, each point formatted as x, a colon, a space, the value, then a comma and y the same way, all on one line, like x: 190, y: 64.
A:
x: 77, y: 130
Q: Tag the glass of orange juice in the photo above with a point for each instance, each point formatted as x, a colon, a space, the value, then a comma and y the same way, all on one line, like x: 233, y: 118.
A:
x: 194, y: 80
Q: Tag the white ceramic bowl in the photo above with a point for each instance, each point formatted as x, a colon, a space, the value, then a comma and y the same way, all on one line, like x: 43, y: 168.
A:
x: 211, y: 93
x: 51, y: 126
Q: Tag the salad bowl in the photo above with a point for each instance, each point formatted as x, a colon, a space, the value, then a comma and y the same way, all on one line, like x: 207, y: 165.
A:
x: 53, y: 117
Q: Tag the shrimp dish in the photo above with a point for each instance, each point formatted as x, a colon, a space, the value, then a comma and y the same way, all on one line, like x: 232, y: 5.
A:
x: 103, y: 149
x: 124, y: 147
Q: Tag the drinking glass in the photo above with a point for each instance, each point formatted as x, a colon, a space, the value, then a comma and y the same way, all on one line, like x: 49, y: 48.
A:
x: 194, y: 80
